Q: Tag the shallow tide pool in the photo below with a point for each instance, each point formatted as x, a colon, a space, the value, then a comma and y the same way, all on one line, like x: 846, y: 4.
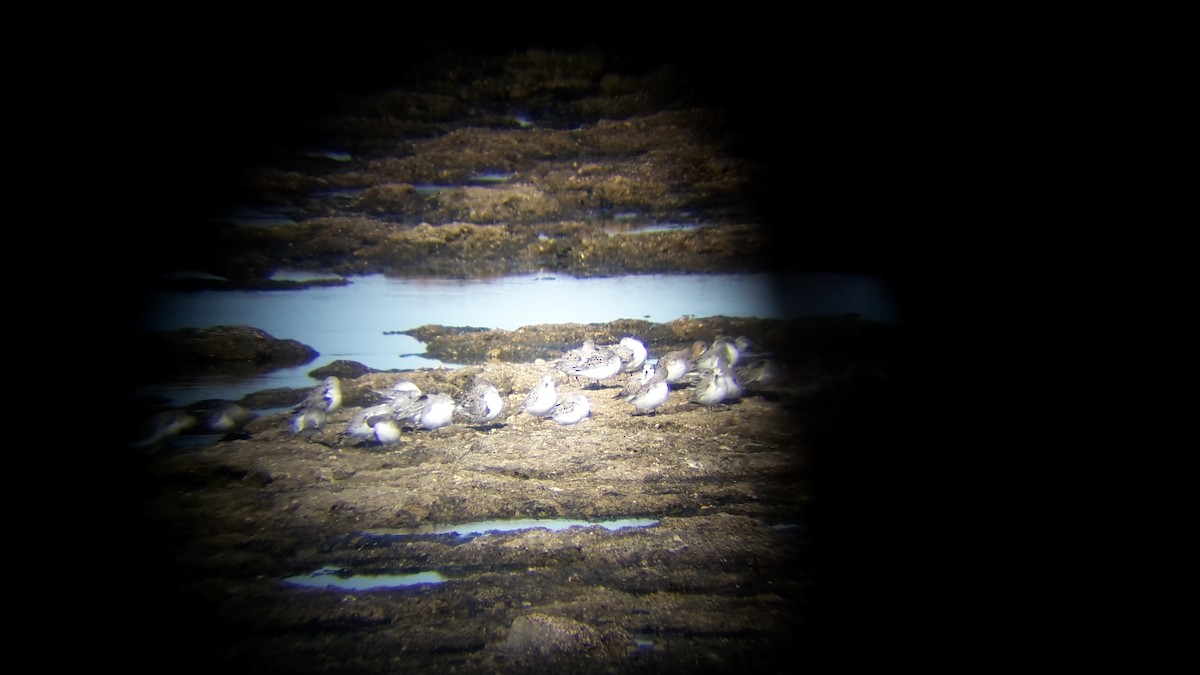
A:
x: 358, y: 322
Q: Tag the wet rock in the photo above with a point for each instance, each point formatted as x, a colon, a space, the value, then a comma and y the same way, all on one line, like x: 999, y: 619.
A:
x: 452, y: 185
x: 722, y: 572
x: 798, y: 340
x: 223, y: 349
x: 246, y: 283
x: 391, y: 198
x: 274, y: 398
x: 341, y: 368
x: 544, y: 634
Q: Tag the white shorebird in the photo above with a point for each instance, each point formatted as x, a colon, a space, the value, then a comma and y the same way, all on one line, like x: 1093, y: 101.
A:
x: 746, y: 350
x: 402, y: 392
x: 729, y: 348
x: 163, y: 427
x: 635, y: 382
x: 430, y: 411
x: 542, y: 398
x: 639, y: 353
x: 374, y: 424
x: 406, y: 386
x: 679, y: 362
x: 713, y: 357
x: 408, y: 410
x: 600, y: 365
x: 218, y: 416
x: 712, y: 389
x: 574, y: 357
x: 573, y: 408
x: 312, y: 411
x: 760, y: 374
x: 387, y: 431
x: 733, y: 387
x: 481, y: 403
x: 309, y: 419
x: 651, y: 393
x: 714, y: 376
x: 632, y: 352
x: 327, y: 395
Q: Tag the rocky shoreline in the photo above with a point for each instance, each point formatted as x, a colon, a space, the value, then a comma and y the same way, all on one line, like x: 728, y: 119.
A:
x: 547, y: 162
x: 590, y: 166
x: 723, y: 579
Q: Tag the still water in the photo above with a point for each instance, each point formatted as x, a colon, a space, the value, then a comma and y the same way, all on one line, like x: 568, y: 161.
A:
x: 353, y: 322
x: 340, y: 578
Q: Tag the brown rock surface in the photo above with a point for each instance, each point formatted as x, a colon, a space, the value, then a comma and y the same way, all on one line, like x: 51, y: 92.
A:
x: 227, y: 349
x: 733, y: 575
x: 723, y: 579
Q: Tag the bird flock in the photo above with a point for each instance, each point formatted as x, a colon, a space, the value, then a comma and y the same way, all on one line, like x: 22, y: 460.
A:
x: 706, y: 374
x: 202, y: 418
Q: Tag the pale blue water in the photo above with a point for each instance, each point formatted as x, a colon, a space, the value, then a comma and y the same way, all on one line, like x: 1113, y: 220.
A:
x: 350, y: 322
x: 336, y: 577
x: 514, y: 525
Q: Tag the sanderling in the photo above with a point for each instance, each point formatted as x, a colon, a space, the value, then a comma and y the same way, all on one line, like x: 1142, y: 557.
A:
x: 680, y: 361
x: 632, y: 352
x: 401, y: 392
x: 733, y: 387
x: 328, y: 395
x: 408, y: 410
x: 309, y: 419
x: 711, y: 359
x: 164, y: 426
x: 598, y: 366
x: 430, y: 411
x: 406, y: 386
x: 218, y: 416
x: 760, y: 374
x: 573, y: 407
x: 729, y: 348
x: 712, y: 389
x: 635, y: 382
x: 481, y: 403
x: 324, y: 398
x: 575, y: 357
x: 387, y: 431
x: 714, y: 365
x: 542, y: 398
x: 375, y: 423
x: 651, y: 393
x: 723, y: 350
x: 639, y: 353
x: 746, y: 349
